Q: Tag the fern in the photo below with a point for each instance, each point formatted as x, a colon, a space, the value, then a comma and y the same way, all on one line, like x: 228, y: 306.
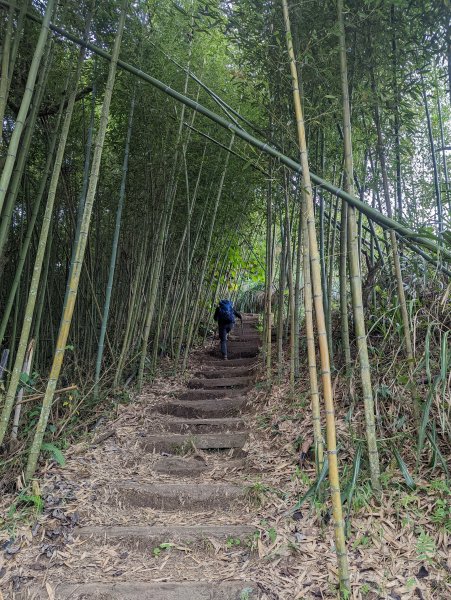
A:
x: 56, y: 453
x: 425, y: 546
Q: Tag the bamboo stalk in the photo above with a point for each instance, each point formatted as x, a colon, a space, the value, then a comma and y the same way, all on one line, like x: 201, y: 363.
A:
x: 19, y: 402
x: 19, y: 166
x: 39, y: 259
x: 393, y: 240
x: 4, y: 80
x: 290, y: 278
x: 112, y: 267
x: 63, y: 390
x: 31, y: 224
x: 354, y: 265
x: 25, y: 104
x: 310, y: 342
x: 75, y: 277
x: 320, y: 319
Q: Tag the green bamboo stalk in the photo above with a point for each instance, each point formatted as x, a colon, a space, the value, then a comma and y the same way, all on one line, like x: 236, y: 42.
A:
x: 25, y: 104
x: 393, y: 240
x: 438, y: 195
x: 281, y: 298
x: 290, y: 286
x: 310, y: 342
x: 19, y: 167
x: 194, y: 314
x: 343, y: 289
x: 375, y: 215
x: 4, y: 80
x: 42, y: 294
x: 17, y: 39
x: 132, y: 315
x: 31, y: 224
x: 26, y: 369
x: 297, y: 295
x: 75, y: 277
x: 120, y: 206
x: 32, y: 295
x: 442, y: 143
x: 340, y: 544
x: 354, y: 265
x: 269, y: 276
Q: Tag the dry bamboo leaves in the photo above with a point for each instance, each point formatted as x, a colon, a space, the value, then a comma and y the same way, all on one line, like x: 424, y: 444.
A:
x: 292, y: 557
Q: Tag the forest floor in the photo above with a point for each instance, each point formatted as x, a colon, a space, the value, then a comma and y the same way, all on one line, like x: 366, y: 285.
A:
x: 186, y: 494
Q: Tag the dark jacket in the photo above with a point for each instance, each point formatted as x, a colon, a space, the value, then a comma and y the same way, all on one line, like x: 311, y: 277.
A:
x: 235, y: 312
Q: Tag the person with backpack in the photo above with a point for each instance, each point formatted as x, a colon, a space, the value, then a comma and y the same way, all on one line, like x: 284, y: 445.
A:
x: 225, y: 316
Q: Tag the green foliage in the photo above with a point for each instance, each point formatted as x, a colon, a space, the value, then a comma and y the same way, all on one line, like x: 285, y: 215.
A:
x: 314, y: 489
x: 441, y: 514
x: 404, y: 469
x: 245, y: 594
x: 425, y: 546
x: 29, y: 501
x: 55, y: 452
x: 161, y: 548
x: 27, y: 382
x: 364, y: 541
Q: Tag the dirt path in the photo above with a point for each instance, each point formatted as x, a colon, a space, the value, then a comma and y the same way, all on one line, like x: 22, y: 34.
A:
x: 184, y: 496
x: 159, y: 515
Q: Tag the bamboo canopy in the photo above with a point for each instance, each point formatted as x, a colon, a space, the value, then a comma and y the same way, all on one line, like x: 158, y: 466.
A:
x: 372, y: 213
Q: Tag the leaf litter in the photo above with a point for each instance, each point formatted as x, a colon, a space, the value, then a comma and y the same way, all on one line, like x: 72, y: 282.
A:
x: 292, y: 554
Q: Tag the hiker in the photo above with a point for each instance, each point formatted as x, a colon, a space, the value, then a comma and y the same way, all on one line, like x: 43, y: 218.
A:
x: 225, y: 316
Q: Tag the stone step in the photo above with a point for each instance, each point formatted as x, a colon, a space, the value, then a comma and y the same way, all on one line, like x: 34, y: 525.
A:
x: 179, y: 466
x: 208, y: 394
x: 146, y: 537
x: 196, y: 426
x: 237, y: 351
x: 184, y: 442
x: 185, y: 590
x: 216, y: 373
x: 176, y: 496
x: 245, y: 332
x: 208, y: 359
x: 251, y: 345
x: 221, y: 382
x: 204, y: 409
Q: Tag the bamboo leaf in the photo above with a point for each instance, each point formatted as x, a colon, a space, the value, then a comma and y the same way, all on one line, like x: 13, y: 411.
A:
x: 313, y: 489
x: 427, y: 353
x: 437, y: 452
x: 444, y: 362
x: 350, y: 489
x: 404, y: 470
x: 425, y: 418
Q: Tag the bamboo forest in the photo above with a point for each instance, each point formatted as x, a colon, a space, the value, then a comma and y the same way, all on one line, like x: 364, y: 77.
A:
x: 225, y: 299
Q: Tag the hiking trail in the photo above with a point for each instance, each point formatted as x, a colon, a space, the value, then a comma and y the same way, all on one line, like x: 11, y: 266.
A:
x: 170, y: 508
x: 188, y: 494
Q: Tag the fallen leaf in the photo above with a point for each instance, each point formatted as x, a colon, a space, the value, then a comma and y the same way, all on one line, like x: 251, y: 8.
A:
x: 50, y: 591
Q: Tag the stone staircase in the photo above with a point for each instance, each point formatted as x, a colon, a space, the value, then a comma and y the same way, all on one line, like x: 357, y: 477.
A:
x: 205, y: 420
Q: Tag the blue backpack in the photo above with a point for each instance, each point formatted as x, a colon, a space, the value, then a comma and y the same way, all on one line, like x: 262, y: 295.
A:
x: 226, y: 314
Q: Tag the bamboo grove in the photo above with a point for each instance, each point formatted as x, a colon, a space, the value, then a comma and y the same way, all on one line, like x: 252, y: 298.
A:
x: 156, y: 156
